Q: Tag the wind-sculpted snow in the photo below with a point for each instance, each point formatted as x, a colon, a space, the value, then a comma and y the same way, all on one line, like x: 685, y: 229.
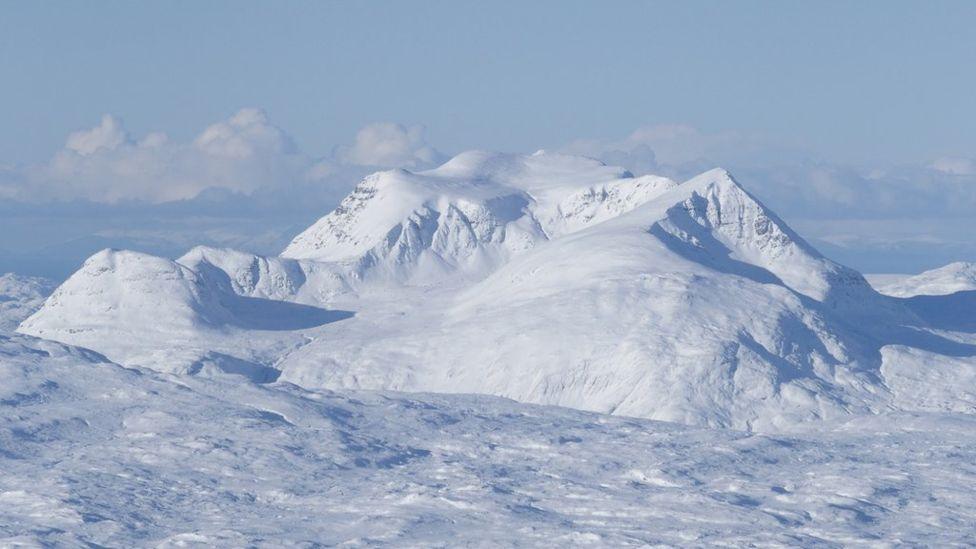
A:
x: 547, y: 279
x: 94, y: 454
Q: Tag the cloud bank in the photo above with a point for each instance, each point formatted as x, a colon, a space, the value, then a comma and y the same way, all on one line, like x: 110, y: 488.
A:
x: 245, y: 154
x: 791, y: 180
x: 244, y: 182
x: 388, y: 144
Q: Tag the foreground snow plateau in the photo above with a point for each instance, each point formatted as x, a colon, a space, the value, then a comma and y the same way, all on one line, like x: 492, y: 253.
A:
x: 97, y: 454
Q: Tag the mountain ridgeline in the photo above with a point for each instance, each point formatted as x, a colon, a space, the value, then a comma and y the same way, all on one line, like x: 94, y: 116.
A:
x: 544, y: 278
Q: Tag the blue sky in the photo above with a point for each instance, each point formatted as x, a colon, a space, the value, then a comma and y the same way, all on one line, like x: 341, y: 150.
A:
x: 854, y: 120
x: 852, y: 81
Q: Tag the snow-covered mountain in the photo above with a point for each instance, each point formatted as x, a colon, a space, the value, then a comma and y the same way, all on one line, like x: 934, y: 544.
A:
x: 468, y: 216
x: 952, y: 278
x: 143, y: 310
x: 544, y: 278
x: 698, y: 306
x: 231, y: 399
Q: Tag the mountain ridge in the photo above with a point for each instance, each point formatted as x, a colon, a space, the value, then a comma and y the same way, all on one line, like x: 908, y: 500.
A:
x: 559, y: 280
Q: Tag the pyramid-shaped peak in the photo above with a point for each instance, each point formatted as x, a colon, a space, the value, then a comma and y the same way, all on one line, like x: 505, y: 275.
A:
x: 718, y: 177
x: 723, y: 198
x: 714, y: 207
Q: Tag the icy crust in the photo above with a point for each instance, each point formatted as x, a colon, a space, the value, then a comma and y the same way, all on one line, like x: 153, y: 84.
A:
x: 94, y: 454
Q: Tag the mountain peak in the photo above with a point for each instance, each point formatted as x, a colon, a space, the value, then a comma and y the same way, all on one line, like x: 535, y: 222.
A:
x: 719, y: 222
x: 719, y: 178
x: 469, y: 214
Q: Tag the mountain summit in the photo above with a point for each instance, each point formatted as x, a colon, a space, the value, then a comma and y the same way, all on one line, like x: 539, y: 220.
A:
x: 468, y: 216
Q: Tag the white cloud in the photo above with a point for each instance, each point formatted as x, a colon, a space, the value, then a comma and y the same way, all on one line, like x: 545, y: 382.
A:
x: 388, y: 144
x: 245, y: 135
x: 788, y: 178
x: 672, y: 149
x: 245, y: 153
x: 862, y: 204
x: 108, y: 135
x: 262, y: 172
x: 955, y: 166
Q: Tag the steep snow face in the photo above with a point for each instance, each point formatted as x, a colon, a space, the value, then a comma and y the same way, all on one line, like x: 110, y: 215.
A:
x: 94, y: 454
x: 400, y: 226
x: 723, y: 221
x: 468, y: 216
x: 246, y: 274
x: 20, y: 296
x: 950, y: 279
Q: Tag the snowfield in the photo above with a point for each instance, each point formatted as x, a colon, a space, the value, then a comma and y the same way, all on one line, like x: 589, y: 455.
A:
x: 532, y: 350
x: 96, y: 454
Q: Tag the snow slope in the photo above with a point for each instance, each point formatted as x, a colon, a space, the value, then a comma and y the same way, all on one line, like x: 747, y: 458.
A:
x: 545, y: 278
x: 96, y: 454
